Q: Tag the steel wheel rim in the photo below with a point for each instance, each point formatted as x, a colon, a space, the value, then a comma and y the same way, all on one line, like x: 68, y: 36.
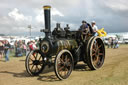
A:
x: 64, y: 65
x: 35, y: 63
x: 97, y: 53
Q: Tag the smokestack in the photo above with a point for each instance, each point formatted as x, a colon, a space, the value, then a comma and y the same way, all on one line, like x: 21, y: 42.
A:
x: 47, y: 20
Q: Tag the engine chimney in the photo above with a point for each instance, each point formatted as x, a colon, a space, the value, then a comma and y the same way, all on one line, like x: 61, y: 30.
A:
x: 47, y: 21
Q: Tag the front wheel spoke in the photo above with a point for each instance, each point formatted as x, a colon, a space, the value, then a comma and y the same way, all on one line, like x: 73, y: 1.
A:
x: 97, y: 59
x: 40, y: 65
x: 31, y: 59
x: 66, y: 70
x: 62, y: 57
x: 94, y: 58
x: 59, y: 64
x: 39, y: 58
x: 31, y: 64
x: 61, y: 73
x: 37, y: 68
x: 61, y: 60
x: 69, y: 64
x: 66, y: 58
x: 36, y: 55
x: 95, y: 62
x: 32, y: 67
x: 61, y: 68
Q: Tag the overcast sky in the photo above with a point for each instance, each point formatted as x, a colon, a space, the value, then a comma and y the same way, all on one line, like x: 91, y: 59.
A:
x: 16, y: 15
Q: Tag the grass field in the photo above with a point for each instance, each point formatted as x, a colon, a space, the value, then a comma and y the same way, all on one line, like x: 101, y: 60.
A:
x: 114, y: 72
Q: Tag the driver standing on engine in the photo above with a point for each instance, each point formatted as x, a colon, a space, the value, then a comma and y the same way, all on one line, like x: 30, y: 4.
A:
x: 84, y: 30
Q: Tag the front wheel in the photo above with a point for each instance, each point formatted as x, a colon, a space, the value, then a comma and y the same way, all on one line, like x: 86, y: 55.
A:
x: 63, y: 64
x: 34, y: 63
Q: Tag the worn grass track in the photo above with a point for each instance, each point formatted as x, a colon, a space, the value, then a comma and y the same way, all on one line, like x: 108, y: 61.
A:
x: 114, y: 72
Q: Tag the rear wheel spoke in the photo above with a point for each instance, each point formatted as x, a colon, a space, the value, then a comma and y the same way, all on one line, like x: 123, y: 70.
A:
x: 94, y: 50
x: 100, y: 46
x: 100, y: 53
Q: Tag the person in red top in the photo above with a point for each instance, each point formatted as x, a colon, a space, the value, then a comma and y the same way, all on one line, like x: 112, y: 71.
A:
x: 32, y: 45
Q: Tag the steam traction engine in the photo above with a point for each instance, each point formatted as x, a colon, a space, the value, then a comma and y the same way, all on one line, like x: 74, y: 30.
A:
x: 63, y: 49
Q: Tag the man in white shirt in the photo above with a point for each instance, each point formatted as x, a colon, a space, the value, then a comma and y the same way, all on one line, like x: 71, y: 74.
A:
x: 95, y: 28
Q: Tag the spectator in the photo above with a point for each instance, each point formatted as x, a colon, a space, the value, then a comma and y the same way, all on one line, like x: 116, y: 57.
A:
x: 32, y: 45
x: 6, y: 50
x: 1, y: 50
x: 15, y: 44
x: 24, y: 48
x: 109, y: 41
x: 19, y: 49
x: 112, y: 43
x: 116, y: 45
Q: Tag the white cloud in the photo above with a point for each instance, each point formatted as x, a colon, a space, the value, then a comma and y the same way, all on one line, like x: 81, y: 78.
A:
x: 17, y: 16
x: 56, y: 12
x: 67, y: 11
x: 117, y: 4
x: 40, y: 14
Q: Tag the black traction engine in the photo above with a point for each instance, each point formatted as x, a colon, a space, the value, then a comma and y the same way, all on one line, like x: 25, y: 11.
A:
x: 63, y: 48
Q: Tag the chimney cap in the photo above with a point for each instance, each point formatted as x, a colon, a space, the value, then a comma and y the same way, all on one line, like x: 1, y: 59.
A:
x: 47, y: 7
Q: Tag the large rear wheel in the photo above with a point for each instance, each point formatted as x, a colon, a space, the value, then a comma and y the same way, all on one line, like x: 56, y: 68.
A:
x: 95, y: 53
x: 86, y: 46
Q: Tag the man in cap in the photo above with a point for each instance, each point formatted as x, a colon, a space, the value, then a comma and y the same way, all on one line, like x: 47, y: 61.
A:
x: 84, y: 27
x: 83, y: 30
x: 95, y: 28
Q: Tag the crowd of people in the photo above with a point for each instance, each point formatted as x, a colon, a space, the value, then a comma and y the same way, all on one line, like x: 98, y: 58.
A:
x: 19, y: 48
x: 113, y: 43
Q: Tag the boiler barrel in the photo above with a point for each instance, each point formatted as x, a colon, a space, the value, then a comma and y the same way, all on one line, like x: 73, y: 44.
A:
x: 65, y: 44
